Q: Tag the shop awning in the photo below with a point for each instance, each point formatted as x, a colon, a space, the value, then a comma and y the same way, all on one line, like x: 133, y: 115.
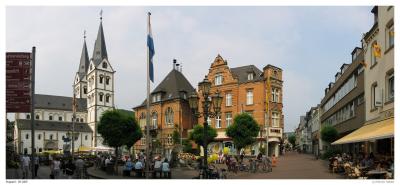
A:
x: 85, y: 149
x: 379, y: 130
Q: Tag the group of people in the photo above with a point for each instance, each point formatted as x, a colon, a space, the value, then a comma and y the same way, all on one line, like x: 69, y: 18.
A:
x: 360, y: 165
x: 157, y: 166
x: 26, y: 165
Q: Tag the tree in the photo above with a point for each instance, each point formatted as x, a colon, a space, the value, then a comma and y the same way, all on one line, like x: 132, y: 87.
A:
x: 329, y: 134
x: 176, y: 137
x: 292, y: 140
x: 197, y: 135
x: 118, y: 129
x: 243, y: 131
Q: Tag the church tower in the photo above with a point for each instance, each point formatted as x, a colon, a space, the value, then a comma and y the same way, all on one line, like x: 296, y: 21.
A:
x: 80, y: 82
x: 100, y: 80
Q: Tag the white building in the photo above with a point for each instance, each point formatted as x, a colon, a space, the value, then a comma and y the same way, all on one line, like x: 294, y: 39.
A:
x: 94, y: 92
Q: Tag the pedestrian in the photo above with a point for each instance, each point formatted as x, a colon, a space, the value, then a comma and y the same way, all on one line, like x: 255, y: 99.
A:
x: 79, y: 165
x: 157, y: 167
x: 70, y: 168
x: 25, y: 166
x: 165, y: 169
x: 138, y: 168
x: 36, y: 161
x: 56, y: 167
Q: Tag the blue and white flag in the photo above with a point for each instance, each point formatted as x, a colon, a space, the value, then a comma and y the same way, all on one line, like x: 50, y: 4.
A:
x: 150, y: 46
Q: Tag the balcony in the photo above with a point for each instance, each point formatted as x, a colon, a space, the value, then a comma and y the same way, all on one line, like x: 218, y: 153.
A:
x: 275, y: 132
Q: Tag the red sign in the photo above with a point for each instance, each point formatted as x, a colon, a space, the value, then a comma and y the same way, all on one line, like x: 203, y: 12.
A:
x: 18, y: 84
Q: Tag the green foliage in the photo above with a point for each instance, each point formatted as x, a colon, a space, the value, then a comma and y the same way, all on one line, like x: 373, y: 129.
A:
x: 243, y: 131
x: 197, y: 135
x: 187, y: 146
x: 330, y: 153
x: 329, y: 134
x: 292, y: 140
x: 118, y: 129
x: 176, y: 137
x: 262, y: 149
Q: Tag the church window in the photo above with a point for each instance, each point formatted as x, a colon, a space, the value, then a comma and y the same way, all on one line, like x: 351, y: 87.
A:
x: 104, y: 65
x: 51, y: 137
x: 86, y: 137
x: 37, y: 117
x: 50, y: 117
x: 39, y: 136
x: 101, y: 97
x: 85, y: 90
x: 107, y: 80
x: 59, y: 118
x: 108, y: 98
x: 81, y: 119
x: 27, y: 136
x: 101, y: 79
x: 28, y: 116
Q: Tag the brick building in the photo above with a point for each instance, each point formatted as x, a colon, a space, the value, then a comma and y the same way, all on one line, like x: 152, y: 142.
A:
x: 169, y: 111
x: 244, y: 89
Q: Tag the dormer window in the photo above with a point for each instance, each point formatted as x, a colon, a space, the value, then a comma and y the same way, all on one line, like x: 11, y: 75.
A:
x: 104, y: 65
x: 218, y: 79
x: 157, y: 97
x: 250, y: 76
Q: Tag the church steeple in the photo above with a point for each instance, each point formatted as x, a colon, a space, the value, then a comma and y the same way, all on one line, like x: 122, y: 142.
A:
x: 100, y: 51
x: 84, y: 62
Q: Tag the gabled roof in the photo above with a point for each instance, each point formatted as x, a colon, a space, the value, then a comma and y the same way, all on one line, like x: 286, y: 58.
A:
x: 84, y: 62
x: 25, y: 124
x: 59, y: 102
x: 241, y: 73
x: 100, y: 50
x: 171, y: 86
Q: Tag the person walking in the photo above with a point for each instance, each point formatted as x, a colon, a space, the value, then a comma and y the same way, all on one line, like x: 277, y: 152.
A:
x: 36, y: 161
x: 79, y: 165
x: 56, y: 167
x: 25, y: 166
x: 165, y: 169
x: 69, y: 169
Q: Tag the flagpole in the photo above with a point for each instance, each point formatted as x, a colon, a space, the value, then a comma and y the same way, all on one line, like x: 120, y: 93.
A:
x: 148, y: 106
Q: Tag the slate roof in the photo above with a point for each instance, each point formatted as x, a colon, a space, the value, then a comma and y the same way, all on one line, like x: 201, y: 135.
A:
x: 172, y: 86
x: 59, y: 102
x: 100, y: 50
x: 24, y: 124
x: 84, y: 62
x: 241, y: 73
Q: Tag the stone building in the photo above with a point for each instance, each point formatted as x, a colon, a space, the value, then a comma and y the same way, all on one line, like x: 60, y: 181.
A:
x: 244, y: 89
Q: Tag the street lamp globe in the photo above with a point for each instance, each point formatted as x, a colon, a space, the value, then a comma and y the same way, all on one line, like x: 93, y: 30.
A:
x: 205, y: 86
x: 216, y: 102
x: 194, y: 102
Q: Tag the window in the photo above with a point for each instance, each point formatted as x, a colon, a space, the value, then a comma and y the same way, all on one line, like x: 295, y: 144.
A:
x: 85, y: 90
x: 373, y: 57
x: 228, y: 99
x: 37, y: 117
x: 169, y: 139
x: 142, y: 120
x: 249, y: 99
x: 82, y: 120
x: 28, y: 116
x: 86, y: 137
x: 90, y: 67
x: 390, y: 87
x: 59, y: 118
x: 100, y: 97
x: 208, y: 121
x: 228, y: 119
x: 390, y: 35
x: 107, y: 80
x: 275, y: 119
x: 27, y: 136
x: 39, y: 136
x: 154, y: 120
x: 51, y: 137
x: 104, y: 65
x: 218, y: 79
x: 50, y: 117
x: 218, y: 122
x: 275, y: 95
x: 250, y: 76
x: 107, y: 98
x: 373, y: 95
x: 101, y: 79
x: 169, y: 116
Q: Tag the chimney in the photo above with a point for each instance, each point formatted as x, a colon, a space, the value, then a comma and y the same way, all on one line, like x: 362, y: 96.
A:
x: 173, y: 66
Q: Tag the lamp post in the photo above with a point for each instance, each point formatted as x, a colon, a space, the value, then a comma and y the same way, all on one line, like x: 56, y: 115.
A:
x: 215, y: 102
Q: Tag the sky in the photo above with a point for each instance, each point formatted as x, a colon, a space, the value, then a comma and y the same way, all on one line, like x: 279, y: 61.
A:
x: 308, y: 43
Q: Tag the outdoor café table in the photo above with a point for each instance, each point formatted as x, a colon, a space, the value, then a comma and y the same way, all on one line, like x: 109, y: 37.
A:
x: 376, y: 174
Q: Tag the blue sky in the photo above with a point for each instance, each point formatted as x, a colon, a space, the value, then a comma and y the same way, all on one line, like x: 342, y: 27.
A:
x: 308, y: 43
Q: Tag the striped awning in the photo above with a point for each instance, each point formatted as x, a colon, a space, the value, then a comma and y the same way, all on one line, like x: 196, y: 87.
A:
x: 378, y: 130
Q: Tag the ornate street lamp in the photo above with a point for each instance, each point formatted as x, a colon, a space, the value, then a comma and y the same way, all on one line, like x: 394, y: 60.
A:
x: 215, y: 101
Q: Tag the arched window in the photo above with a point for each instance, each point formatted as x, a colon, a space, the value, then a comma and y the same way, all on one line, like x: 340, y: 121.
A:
x: 85, y: 90
x: 107, y: 80
x: 107, y: 98
x: 28, y: 116
x: 37, y: 117
x: 169, y: 116
x: 27, y: 136
x: 50, y: 117
x: 51, y: 137
x: 154, y: 120
x: 86, y: 137
x: 82, y: 120
x: 39, y: 136
x: 59, y: 118
x: 104, y: 65
x: 101, y: 79
x: 100, y: 96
